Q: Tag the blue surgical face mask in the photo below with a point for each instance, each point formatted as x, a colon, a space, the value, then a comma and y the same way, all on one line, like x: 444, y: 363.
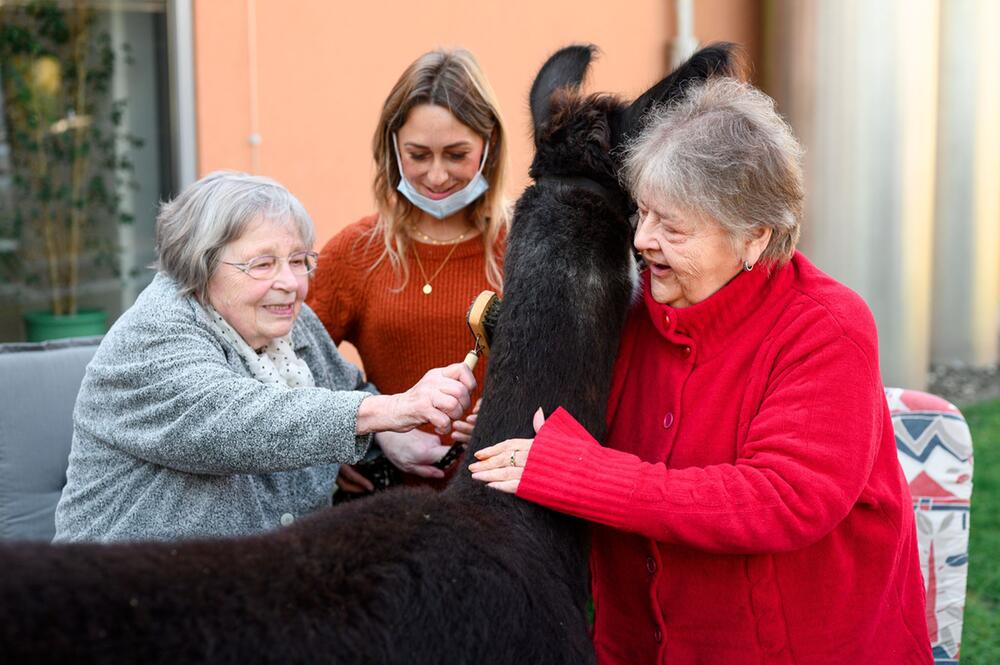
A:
x: 452, y: 203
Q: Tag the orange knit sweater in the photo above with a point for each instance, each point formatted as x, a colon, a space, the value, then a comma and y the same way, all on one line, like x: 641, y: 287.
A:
x: 399, y: 334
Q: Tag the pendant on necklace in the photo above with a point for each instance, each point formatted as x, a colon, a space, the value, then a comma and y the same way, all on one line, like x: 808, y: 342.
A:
x: 427, y: 289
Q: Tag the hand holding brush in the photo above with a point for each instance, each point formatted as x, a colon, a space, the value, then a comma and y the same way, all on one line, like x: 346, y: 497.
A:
x: 481, y: 318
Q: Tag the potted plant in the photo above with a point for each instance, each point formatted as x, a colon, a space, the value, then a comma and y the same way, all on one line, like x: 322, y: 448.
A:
x: 64, y: 146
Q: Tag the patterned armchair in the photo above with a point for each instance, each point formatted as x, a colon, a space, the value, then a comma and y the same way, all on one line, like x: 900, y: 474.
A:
x: 935, y: 451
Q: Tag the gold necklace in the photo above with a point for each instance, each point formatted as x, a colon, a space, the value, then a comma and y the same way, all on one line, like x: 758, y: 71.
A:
x: 433, y: 241
x: 427, y: 280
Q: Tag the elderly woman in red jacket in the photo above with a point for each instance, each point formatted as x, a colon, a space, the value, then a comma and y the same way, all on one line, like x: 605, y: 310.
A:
x: 747, y: 505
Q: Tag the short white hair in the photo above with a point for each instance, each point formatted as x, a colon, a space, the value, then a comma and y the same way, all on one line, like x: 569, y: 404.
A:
x: 193, y: 228
x: 723, y: 151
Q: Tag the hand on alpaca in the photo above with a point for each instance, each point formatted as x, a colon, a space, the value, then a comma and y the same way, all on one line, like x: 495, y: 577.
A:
x: 462, y: 429
x: 413, y: 452
x: 441, y: 396
x: 500, y: 466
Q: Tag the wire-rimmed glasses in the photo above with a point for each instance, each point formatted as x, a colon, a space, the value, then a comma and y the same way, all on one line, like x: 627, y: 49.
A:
x: 267, y: 267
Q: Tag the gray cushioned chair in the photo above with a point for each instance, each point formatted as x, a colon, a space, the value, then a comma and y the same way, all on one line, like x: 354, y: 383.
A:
x: 38, y: 387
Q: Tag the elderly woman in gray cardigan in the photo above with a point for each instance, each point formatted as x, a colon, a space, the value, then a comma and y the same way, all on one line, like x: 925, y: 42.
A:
x: 217, y: 404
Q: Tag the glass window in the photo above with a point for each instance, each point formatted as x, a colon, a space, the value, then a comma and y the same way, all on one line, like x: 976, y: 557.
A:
x: 85, y: 154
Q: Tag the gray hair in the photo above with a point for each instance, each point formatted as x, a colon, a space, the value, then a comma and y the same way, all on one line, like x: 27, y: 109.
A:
x: 723, y: 151
x: 193, y: 228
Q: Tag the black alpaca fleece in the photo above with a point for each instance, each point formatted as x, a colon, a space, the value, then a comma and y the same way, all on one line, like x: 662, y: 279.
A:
x: 467, y: 576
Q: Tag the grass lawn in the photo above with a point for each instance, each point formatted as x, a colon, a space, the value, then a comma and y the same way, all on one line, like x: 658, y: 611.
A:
x: 981, y: 632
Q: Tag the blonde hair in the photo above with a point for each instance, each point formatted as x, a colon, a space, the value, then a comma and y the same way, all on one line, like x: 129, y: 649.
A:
x: 451, y: 79
x: 724, y: 150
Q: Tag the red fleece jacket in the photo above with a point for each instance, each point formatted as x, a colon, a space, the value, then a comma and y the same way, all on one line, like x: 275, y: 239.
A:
x: 749, y: 506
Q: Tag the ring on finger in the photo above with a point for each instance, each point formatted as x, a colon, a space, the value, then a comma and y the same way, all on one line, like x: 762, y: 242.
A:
x: 513, y: 460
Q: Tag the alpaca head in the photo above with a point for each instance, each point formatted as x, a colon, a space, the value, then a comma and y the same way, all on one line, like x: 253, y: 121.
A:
x: 569, y: 269
x: 579, y: 135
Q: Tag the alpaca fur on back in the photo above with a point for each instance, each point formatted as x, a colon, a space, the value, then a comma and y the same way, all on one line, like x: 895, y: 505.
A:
x: 470, y: 575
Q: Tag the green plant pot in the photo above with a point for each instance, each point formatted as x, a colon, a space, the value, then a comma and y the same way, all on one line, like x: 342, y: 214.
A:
x: 42, y: 326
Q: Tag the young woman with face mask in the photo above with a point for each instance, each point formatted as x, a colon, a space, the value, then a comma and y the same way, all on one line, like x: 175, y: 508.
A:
x: 397, y: 284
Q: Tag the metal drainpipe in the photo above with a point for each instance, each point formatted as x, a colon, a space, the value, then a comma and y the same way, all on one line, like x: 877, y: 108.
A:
x: 684, y: 43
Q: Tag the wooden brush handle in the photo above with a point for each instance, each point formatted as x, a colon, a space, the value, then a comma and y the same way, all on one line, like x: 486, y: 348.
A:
x: 471, y: 358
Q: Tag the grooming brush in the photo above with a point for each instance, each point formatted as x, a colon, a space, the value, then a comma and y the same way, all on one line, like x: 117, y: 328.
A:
x: 482, y: 318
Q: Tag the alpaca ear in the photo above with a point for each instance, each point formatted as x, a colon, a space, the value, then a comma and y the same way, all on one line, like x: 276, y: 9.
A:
x: 715, y: 60
x: 565, y: 69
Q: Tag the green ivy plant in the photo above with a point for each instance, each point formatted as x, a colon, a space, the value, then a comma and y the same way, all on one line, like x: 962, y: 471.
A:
x: 68, y: 157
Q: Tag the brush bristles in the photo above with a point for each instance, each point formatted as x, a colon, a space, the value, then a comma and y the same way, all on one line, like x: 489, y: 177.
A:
x: 482, y: 318
x: 490, y: 318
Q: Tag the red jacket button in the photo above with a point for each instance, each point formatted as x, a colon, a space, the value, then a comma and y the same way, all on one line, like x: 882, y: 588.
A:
x: 668, y: 420
x: 658, y: 635
x: 651, y: 565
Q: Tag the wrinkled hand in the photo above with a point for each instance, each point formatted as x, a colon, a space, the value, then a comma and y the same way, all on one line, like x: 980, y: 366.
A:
x: 441, y: 396
x: 501, y: 465
x: 413, y: 452
x: 462, y: 429
x: 350, y: 480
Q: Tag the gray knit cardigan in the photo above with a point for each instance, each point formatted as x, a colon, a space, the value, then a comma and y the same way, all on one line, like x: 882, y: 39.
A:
x: 174, y: 438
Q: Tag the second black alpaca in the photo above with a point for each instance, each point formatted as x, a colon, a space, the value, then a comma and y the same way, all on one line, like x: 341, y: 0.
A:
x: 409, y: 576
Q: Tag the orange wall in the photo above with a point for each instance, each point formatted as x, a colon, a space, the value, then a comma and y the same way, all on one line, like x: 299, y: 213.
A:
x: 323, y: 69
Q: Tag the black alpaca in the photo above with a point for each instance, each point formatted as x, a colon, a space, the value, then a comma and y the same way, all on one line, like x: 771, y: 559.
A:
x: 467, y: 576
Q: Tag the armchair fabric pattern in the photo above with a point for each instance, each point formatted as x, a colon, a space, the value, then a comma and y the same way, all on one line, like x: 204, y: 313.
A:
x: 935, y: 452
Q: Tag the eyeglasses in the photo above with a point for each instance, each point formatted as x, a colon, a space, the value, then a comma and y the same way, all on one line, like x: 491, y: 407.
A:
x: 267, y: 267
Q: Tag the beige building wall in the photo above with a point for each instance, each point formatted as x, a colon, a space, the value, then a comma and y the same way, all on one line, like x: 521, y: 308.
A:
x: 292, y: 88
x: 966, y: 299
x: 896, y: 103
x: 858, y: 81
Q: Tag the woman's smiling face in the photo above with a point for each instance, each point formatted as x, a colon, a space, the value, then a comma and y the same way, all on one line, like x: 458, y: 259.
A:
x: 260, y: 310
x: 438, y: 154
x: 690, y: 257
